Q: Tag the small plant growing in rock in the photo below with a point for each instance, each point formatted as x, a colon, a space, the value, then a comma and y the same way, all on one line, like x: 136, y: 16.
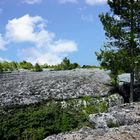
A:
x: 112, y: 124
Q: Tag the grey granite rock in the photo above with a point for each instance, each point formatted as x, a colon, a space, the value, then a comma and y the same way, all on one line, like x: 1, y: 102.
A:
x: 126, y: 114
x: 131, y: 132
x: 31, y: 87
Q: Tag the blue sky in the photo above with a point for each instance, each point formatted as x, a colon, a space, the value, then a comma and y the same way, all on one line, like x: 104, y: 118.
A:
x: 46, y: 31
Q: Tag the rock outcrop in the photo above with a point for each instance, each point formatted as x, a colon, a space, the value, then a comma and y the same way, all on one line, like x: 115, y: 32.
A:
x: 122, y: 133
x: 32, y: 87
x: 127, y: 117
x: 125, y: 114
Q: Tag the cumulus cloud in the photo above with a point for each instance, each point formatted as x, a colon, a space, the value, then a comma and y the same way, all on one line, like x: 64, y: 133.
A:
x: 33, y: 30
x: 95, y: 2
x: 68, y: 1
x: 28, y: 29
x: 32, y: 1
x: 52, y: 54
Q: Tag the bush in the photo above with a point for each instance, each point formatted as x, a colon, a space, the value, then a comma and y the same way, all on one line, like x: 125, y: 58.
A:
x: 26, y: 65
x: 90, y: 66
x: 37, y: 68
x: 38, y: 121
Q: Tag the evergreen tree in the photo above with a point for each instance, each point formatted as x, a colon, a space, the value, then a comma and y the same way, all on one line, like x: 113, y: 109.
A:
x: 122, y: 28
x: 65, y: 64
x: 37, y: 68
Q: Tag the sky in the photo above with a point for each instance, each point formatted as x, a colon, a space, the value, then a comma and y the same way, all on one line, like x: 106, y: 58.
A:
x: 46, y: 31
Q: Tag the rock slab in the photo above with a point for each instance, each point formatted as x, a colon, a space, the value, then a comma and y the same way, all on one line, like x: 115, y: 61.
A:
x: 32, y: 87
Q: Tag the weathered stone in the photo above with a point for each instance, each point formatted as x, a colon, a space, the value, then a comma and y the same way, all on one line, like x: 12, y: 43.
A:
x: 101, y: 120
x: 115, y: 99
x: 131, y: 132
x: 124, y: 78
x: 30, y: 87
x: 126, y: 114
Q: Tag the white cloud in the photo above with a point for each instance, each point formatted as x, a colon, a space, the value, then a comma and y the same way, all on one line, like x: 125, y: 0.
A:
x: 52, y: 54
x: 32, y: 1
x: 41, y: 56
x: 23, y: 29
x: 68, y: 1
x: 4, y: 59
x: 33, y: 30
x: 95, y: 2
x: 63, y: 46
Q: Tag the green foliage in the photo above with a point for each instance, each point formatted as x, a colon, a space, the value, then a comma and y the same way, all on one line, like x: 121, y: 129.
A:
x: 122, y: 28
x: 95, y: 108
x: 112, y: 124
x: 11, y: 66
x: 45, y: 66
x: 90, y: 66
x: 66, y: 65
x: 37, y: 68
x: 8, y: 66
x: 33, y: 134
x: 26, y: 65
x: 38, y: 121
x: 35, y: 122
x: 87, y: 98
x: 1, y: 68
x: 115, y: 61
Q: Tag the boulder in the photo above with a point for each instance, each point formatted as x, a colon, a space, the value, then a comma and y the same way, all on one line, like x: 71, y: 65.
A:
x: 126, y: 114
x: 114, y: 100
x: 123, y: 78
x: 102, y: 120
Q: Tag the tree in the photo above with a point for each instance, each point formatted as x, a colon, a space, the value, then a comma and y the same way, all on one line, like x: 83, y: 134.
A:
x: 114, y: 61
x: 26, y: 65
x: 122, y: 28
x: 37, y: 68
x: 65, y: 63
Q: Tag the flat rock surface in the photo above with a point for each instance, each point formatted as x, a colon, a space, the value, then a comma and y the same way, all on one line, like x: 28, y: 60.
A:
x: 32, y: 87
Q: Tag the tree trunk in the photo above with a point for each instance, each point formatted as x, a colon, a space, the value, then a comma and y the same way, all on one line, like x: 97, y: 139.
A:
x: 132, y: 53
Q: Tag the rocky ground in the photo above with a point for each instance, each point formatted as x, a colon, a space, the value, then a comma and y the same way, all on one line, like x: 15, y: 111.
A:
x: 120, y: 122
x: 126, y: 116
x: 31, y: 87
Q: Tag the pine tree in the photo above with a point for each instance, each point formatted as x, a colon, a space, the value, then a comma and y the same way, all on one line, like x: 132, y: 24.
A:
x: 122, y: 28
x: 37, y: 68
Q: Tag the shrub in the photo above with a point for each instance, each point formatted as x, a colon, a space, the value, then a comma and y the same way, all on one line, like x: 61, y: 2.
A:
x: 38, y: 121
x: 37, y: 68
